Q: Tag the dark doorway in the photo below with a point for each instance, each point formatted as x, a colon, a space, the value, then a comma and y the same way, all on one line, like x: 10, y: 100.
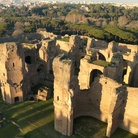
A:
x: 28, y: 60
x: 124, y: 73
x: 124, y: 69
x: 94, y: 73
x: 16, y: 99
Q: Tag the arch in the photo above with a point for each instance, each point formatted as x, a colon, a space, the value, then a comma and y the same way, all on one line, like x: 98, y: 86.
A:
x: 94, y: 73
x: 101, y: 56
x: 28, y: 60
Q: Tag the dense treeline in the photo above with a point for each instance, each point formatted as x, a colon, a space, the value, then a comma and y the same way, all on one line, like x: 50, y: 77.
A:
x: 96, y: 20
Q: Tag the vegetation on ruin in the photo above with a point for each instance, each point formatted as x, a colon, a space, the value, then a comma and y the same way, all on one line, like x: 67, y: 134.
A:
x: 100, y: 63
x: 102, y: 21
x: 31, y: 119
x: 26, y: 45
x: 65, y: 39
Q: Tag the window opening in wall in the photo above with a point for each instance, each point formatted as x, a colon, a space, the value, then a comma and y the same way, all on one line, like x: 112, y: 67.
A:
x: 57, y: 98
x: 13, y: 64
x: 16, y: 99
x: 28, y: 60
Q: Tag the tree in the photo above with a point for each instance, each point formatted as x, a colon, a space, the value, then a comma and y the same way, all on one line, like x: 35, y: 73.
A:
x: 3, y: 28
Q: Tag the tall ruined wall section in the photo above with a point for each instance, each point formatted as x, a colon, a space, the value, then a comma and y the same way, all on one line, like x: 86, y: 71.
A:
x: 11, y: 72
x: 63, y: 110
x: 48, y: 52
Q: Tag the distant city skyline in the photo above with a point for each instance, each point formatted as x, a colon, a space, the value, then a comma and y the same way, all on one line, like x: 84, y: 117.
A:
x: 118, y: 1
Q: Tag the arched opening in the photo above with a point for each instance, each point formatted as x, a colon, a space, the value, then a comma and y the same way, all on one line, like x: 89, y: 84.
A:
x: 28, y: 60
x: 94, y: 73
x: 101, y: 57
x: 89, y: 127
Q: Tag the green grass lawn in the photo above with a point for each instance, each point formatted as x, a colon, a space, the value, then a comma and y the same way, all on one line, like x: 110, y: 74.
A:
x: 36, y: 120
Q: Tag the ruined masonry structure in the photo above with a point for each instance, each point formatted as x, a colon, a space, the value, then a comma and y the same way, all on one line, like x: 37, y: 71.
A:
x: 62, y: 95
x: 104, y: 88
x: 90, y: 78
x: 11, y: 72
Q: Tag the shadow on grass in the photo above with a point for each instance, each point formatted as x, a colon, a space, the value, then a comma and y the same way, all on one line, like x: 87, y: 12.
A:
x: 120, y: 133
x: 89, y: 127
x: 9, y: 131
x: 33, y: 109
x: 36, y: 119
x: 34, y: 116
x: 10, y: 110
x: 46, y: 131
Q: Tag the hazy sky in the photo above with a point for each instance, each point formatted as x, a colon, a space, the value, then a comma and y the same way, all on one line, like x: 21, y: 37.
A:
x: 118, y: 1
x: 109, y: 1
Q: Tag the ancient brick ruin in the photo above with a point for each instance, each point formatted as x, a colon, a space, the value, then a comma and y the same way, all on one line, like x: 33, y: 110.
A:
x: 90, y: 78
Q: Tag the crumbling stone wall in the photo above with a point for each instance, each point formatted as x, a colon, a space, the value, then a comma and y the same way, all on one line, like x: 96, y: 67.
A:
x: 12, y: 72
x: 46, y: 34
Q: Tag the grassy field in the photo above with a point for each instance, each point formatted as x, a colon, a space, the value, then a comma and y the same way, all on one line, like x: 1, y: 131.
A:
x: 31, y: 119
